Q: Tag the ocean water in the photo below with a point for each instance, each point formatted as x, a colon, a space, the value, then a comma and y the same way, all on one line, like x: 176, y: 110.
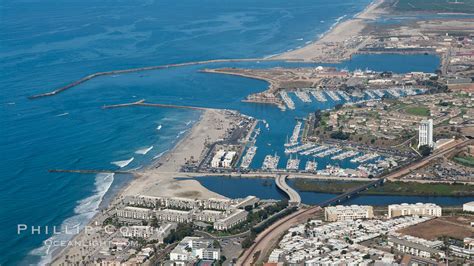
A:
x: 46, y: 44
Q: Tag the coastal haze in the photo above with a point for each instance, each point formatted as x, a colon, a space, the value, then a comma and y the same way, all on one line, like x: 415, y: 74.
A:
x: 78, y: 150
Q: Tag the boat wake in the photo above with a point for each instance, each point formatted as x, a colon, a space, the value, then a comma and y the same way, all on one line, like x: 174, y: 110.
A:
x: 144, y: 150
x: 123, y: 163
x: 84, y: 212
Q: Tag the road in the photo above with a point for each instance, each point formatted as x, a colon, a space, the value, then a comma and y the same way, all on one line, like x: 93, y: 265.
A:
x: 439, y: 153
x: 270, y: 236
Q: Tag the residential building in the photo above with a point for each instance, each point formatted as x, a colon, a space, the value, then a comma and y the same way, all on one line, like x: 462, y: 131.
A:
x: 209, y: 215
x: 422, y: 209
x: 343, y: 213
x: 134, y: 214
x: 191, y: 248
x: 174, y: 216
x: 468, y: 206
x: 425, y: 133
x: 216, y: 160
x: 416, y: 246
x: 237, y: 216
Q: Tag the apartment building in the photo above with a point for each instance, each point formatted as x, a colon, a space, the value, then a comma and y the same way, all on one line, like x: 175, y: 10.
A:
x: 423, y: 209
x: 352, y: 212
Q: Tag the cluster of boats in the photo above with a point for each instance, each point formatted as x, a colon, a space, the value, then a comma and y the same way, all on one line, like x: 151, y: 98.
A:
x: 333, y: 95
x: 293, y: 164
x: 271, y: 162
x: 364, y: 158
x: 247, y: 159
x: 288, y: 101
x: 294, y: 137
x: 311, y: 166
x: 303, y: 96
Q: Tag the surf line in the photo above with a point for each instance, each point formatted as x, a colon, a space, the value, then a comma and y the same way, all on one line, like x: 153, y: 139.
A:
x: 140, y: 69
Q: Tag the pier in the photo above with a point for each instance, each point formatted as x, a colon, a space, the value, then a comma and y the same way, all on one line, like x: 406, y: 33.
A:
x: 293, y: 195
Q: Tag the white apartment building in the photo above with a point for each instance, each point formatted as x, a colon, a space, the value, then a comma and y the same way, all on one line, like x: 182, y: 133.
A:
x: 416, y: 246
x: 343, y: 213
x: 425, y: 133
x: 216, y: 160
x: 174, y: 216
x: 422, y: 209
x: 208, y: 215
x: 468, y: 206
x: 191, y: 248
x: 238, y: 216
x: 134, y: 213
x: 228, y: 159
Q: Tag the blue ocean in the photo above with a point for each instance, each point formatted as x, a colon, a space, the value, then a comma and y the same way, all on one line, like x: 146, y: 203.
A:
x: 47, y: 44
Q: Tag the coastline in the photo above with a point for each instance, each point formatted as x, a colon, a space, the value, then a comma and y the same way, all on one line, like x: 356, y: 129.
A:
x: 331, y: 46
x: 158, y: 178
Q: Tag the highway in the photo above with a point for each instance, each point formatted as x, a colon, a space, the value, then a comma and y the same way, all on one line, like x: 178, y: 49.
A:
x: 269, y: 237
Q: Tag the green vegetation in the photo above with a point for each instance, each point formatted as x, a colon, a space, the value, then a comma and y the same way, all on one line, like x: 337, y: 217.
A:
x: 424, y: 150
x: 183, y: 230
x: 388, y: 188
x: 462, y: 6
x: 418, y: 110
x: 465, y: 160
x: 339, y: 135
x: 248, y: 241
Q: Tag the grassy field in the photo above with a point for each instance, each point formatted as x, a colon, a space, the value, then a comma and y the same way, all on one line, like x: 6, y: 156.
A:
x: 460, y: 6
x: 418, y: 110
x: 465, y: 160
x: 389, y: 188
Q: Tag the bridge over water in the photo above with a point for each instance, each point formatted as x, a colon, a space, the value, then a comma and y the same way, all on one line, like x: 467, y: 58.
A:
x: 281, y: 184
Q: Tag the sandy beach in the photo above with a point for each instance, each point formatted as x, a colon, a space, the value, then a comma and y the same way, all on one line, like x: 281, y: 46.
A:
x: 340, y: 42
x: 157, y: 180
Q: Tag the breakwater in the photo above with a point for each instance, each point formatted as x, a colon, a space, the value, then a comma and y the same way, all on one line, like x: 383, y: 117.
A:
x: 140, y: 69
x: 160, y: 105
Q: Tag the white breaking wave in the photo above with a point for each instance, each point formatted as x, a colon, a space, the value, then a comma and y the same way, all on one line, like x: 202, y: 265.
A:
x: 160, y: 154
x: 340, y: 18
x: 332, y: 26
x: 159, y: 127
x: 123, y: 163
x: 181, y: 133
x: 84, y: 211
x: 144, y: 150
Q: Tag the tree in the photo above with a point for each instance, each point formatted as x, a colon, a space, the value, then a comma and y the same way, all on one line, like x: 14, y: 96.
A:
x: 424, y: 150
